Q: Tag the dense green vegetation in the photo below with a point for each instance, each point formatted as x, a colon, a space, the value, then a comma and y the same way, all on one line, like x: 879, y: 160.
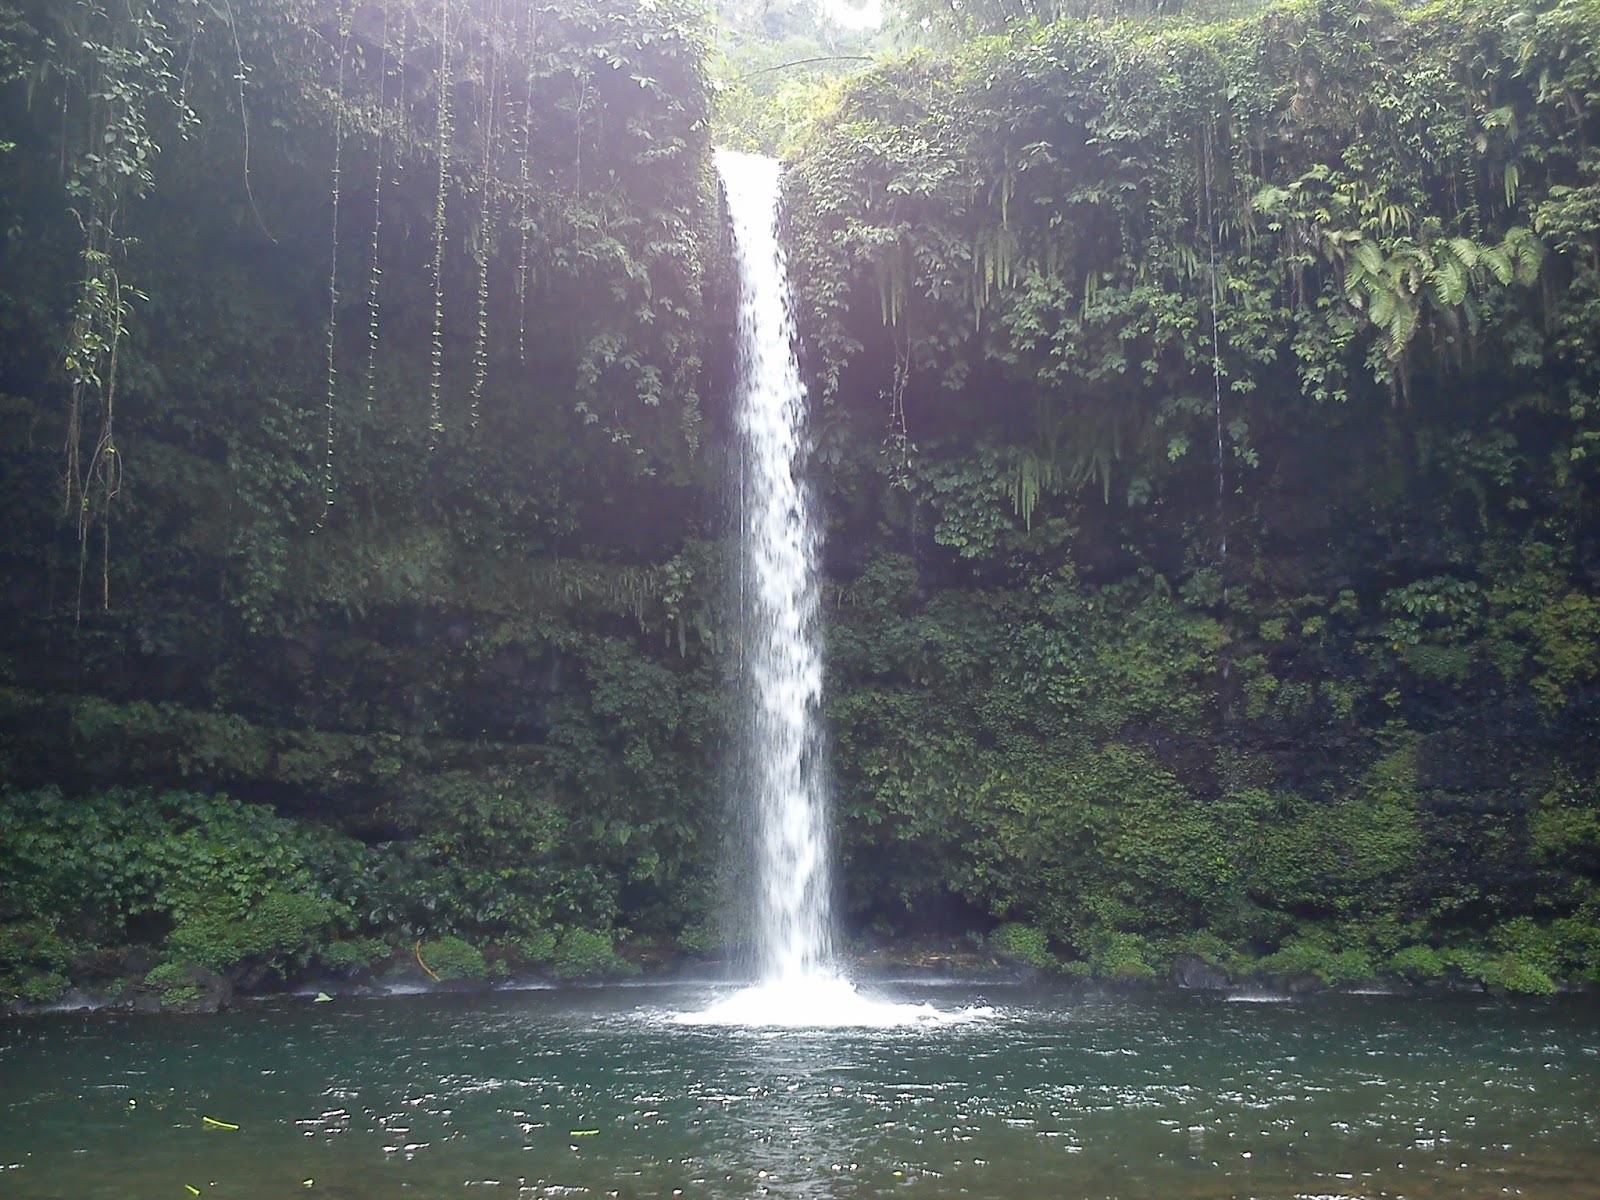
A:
x: 1212, y: 448
x: 1207, y: 417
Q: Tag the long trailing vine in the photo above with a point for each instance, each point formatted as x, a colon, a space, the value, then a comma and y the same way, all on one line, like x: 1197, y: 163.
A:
x: 382, y: 86
x: 375, y: 260
x: 442, y: 148
x: 487, y: 213
x: 330, y: 400
x: 119, y: 72
x: 524, y: 219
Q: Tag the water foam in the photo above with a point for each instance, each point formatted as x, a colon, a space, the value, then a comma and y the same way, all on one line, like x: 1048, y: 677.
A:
x: 822, y: 1002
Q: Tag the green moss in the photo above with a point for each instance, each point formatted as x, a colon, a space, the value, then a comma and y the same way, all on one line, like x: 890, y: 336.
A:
x: 1446, y: 664
x: 168, y: 975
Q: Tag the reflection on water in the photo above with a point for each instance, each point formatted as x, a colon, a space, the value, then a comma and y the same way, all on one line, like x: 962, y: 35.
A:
x: 601, y: 1092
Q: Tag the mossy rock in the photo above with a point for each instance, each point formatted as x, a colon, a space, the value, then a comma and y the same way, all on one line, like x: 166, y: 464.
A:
x: 1192, y: 972
x: 182, y: 988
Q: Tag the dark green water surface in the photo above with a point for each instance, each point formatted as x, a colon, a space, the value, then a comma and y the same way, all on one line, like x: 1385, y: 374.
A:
x: 596, y: 1092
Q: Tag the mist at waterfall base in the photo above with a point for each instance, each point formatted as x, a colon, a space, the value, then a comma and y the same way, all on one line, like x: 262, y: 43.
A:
x: 798, y: 981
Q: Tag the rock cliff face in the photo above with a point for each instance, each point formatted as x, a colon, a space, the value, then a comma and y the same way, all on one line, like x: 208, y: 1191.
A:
x: 1205, y: 423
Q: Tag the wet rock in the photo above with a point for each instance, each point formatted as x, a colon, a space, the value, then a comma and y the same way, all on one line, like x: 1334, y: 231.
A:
x: 1192, y: 971
x: 192, y: 990
x: 460, y: 985
x: 1301, y: 985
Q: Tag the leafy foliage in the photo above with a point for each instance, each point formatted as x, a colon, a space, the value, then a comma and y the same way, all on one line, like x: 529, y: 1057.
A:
x: 1207, y: 418
x: 453, y: 958
x: 1201, y: 395
x: 587, y: 954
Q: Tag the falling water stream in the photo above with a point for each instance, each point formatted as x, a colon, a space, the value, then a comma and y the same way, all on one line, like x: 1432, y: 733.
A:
x: 798, y: 981
x: 780, y: 597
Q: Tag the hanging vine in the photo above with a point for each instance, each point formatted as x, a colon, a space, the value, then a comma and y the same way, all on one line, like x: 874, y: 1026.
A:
x: 524, y: 192
x: 487, y: 213
x: 443, y: 134
x: 375, y: 268
x: 241, y: 75
x: 333, y: 276
x: 120, y: 70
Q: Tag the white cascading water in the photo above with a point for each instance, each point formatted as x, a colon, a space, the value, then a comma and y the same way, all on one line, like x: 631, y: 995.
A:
x: 782, y: 661
x: 799, y: 983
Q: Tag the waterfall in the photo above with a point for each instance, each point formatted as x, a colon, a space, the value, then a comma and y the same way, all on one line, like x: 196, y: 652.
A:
x: 782, y: 662
x: 799, y: 984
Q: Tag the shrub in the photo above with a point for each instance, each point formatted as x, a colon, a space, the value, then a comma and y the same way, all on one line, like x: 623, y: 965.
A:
x: 174, y: 982
x: 122, y: 854
x: 31, y: 950
x: 1511, y: 974
x: 1347, y: 967
x: 42, y: 987
x: 450, y: 957
x: 1578, y: 942
x: 1114, y: 954
x: 1504, y: 972
x: 352, y: 953
x: 588, y: 954
x: 701, y: 939
x: 1531, y: 943
x: 536, y: 947
x: 1023, y: 943
x: 1296, y: 957
x: 280, y: 926
x: 1417, y: 964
